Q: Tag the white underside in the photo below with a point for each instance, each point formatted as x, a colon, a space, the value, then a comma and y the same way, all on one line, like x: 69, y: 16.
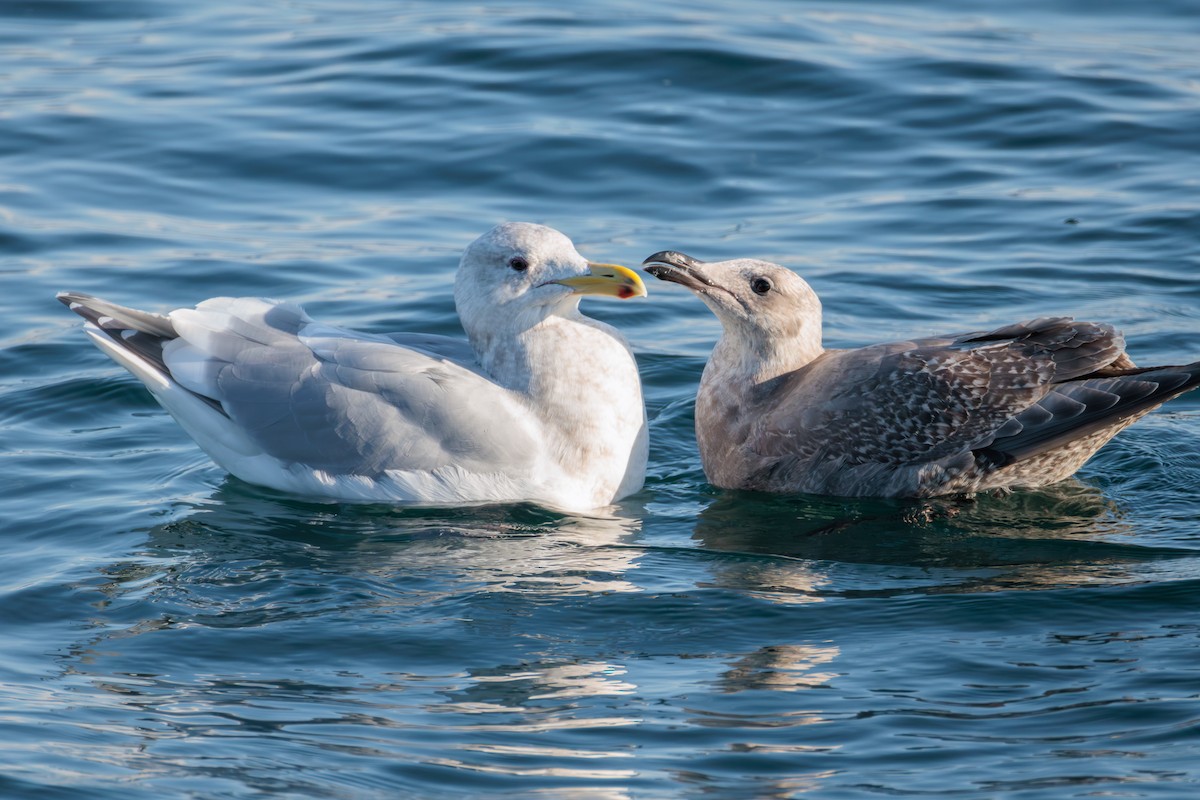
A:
x: 235, y: 452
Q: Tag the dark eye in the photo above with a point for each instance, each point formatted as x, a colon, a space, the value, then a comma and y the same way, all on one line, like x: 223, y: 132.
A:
x: 519, y: 264
x: 760, y: 285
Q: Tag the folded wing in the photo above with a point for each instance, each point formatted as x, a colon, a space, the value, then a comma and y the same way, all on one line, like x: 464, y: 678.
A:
x: 1012, y: 392
x: 332, y: 400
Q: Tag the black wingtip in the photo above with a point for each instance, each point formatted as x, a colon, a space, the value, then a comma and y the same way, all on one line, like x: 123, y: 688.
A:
x: 70, y: 299
x: 1086, y: 408
x: 111, y: 316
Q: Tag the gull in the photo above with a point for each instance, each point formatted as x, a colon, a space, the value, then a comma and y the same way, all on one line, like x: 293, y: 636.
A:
x: 539, y: 404
x: 1020, y: 406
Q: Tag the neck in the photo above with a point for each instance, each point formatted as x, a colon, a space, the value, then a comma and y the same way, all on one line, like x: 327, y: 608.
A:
x: 753, y: 361
x: 530, y: 357
x: 591, y: 413
x: 737, y: 374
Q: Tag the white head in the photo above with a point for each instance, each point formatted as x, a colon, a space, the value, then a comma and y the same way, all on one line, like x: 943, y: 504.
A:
x: 768, y: 312
x: 518, y: 274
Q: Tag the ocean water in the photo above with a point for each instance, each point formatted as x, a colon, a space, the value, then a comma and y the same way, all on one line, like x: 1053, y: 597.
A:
x: 170, y: 632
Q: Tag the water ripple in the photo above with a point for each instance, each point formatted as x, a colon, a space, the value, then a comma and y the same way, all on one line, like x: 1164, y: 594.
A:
x: 172, y: 632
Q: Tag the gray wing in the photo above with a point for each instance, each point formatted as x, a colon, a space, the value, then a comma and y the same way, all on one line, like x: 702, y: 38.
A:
x: 927, y: 399
x: 343, y: 402
x: 447, y: 347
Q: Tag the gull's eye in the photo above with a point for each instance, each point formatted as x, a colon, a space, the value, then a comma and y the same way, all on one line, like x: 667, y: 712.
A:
x: 760, y: 285
x: 518, y: 264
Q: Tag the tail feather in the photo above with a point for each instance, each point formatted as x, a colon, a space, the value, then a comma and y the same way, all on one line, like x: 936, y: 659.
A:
x: 140, y: 332
x: 110, y: 316
x: 133, y: 338
x: 1080, y: 409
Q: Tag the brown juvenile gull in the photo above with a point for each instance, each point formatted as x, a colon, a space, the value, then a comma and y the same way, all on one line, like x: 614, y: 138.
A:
x: 1020, y: 406
x: 541, y: 403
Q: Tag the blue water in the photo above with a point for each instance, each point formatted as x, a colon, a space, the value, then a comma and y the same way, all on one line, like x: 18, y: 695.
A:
x: 169, y: 632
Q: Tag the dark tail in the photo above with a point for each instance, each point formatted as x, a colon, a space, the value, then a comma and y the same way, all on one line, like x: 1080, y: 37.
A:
x: 141, y: 332
x: 110, y: 316
x: 1080, y: 408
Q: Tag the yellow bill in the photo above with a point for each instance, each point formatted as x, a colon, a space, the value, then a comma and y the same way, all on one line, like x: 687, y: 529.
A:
x: 609, y: 279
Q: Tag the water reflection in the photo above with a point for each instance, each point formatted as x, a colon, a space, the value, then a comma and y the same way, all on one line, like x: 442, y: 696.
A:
x: 494, y: 548
x: 849, y: 528
x: 522, y: 722
x: 526, y: 649
x: 519, y: 688
x: 783, y: 667
x: 1069, y: 523
x: 249, y: 615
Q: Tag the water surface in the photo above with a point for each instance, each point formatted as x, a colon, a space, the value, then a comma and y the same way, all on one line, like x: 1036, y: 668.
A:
x: 172, y: 632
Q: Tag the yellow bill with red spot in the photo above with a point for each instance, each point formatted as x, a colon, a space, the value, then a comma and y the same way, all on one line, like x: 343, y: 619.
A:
x: 610, y: 279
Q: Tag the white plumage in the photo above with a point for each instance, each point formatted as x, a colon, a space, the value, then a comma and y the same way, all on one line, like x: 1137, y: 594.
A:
x: 543, y: 404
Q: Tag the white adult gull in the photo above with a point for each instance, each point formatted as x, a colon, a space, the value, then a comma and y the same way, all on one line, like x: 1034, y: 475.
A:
x: 1019, y: 406
x: 540, y: 404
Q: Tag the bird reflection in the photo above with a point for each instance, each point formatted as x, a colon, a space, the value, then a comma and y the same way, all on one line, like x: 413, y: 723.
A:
x: 526, y: 687
x: 242, y: 558
x: 784, y: 667
x: 381, y: 589
x: 499, y: 548
x: 1062, y: 535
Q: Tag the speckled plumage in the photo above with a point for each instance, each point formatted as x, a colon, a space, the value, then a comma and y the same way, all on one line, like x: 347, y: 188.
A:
x: 1022, y: 405
x: 543, y: 404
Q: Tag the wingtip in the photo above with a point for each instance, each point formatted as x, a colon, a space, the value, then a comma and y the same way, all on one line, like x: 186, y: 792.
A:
x: 72, y: 299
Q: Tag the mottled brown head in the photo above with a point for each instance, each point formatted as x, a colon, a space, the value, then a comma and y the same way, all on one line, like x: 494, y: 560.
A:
x: 762, y: 306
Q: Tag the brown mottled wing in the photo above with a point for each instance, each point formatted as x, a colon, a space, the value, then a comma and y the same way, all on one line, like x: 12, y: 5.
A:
x: 920, y: 401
